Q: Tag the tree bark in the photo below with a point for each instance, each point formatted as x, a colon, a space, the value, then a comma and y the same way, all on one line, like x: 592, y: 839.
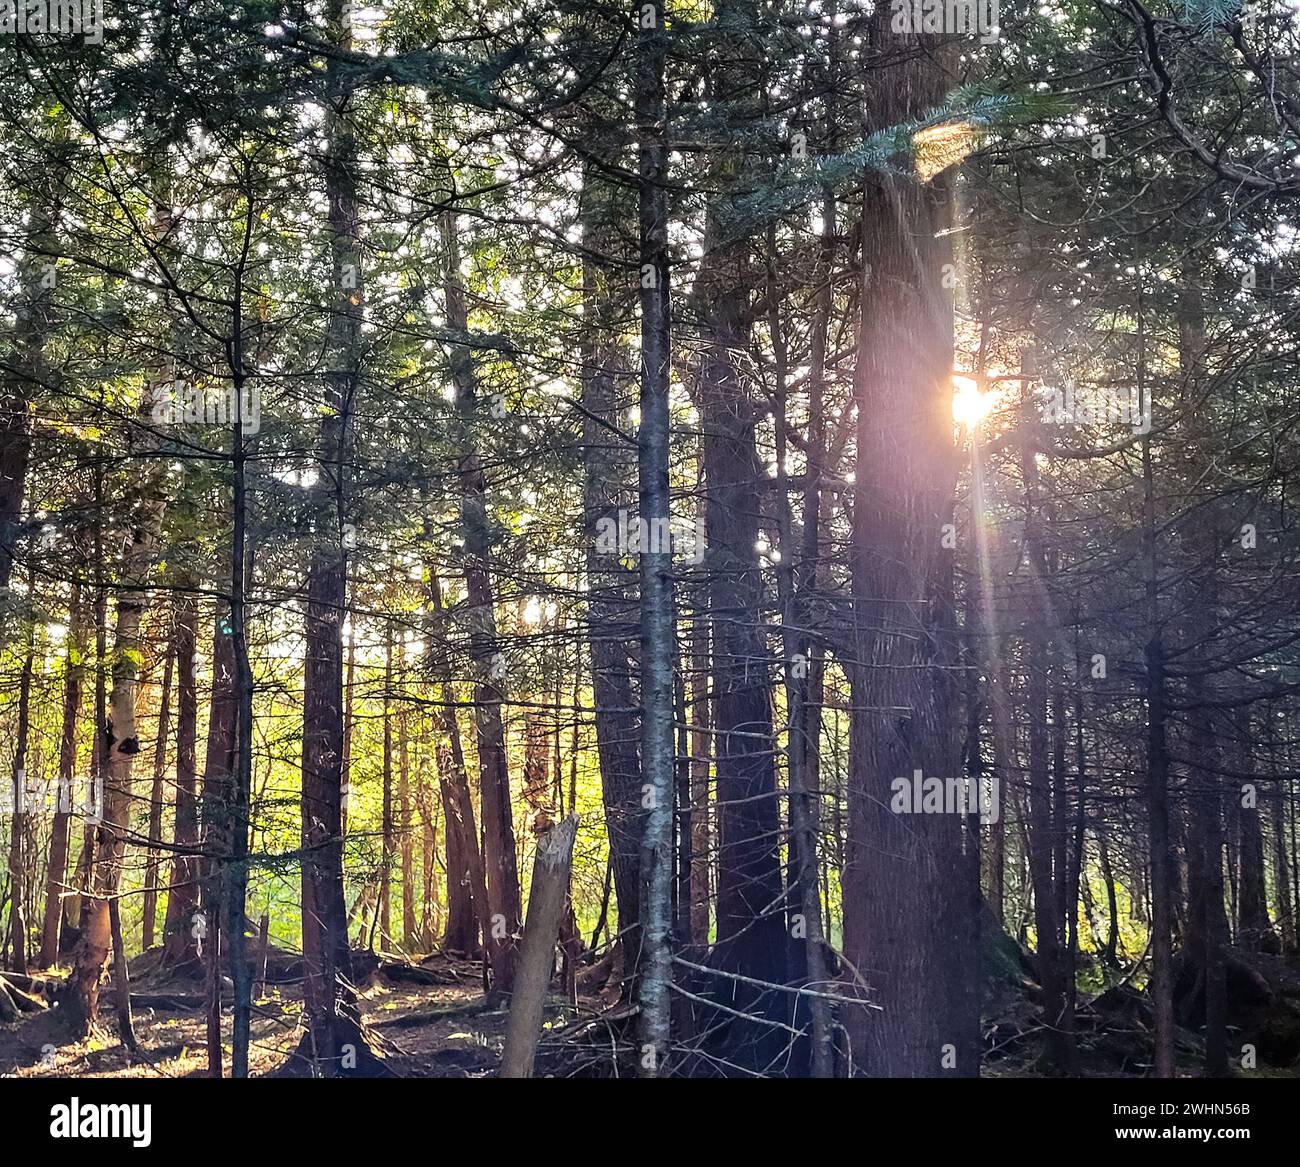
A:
x: 57, y: 871
x: 120, y: 746
x: 179, y: 949
x: 334, y: 1035
x: 153, y: 860
x: 485, y: 649
x: 911, y: 894
x: 18, y: 825
x: 550, y: 888
x: 654, y: 972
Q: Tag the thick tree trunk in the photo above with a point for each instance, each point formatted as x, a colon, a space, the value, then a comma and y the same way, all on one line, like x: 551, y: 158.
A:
x: 751, y: 916
x: 21, y: 374
x: 750, y: 897
x: 121, y: 745
x: 911, y: 889
x: 333, y: 1041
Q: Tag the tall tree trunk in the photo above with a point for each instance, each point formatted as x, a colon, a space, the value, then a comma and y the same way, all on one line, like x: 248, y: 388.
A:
x: 1157, y: 792
x: 485, y: 650
x: 911, y: 891
x: 179, y: 942
x: 153, y: 860
x: 468, y: 912
x: 1207, y: 923
x: 120, y: 747
x: 206, y: 929
x: 81, y: 880
x: 1282, y: 883
x: 751, y: 923
x: 18, y: 825
x: 387, y: 842
x: 235, y: 874
x: 808, y: 958
x: 73, y: 679
x: 333, y: 1039
x: 405, y: 824
x: 611, y: 628
x: 23, y: 371
x: 654, y: 972
x: 1046, y: 835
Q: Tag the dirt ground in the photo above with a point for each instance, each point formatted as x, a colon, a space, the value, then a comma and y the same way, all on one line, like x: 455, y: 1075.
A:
x: 438, y: 1030
x: 430, y: 1020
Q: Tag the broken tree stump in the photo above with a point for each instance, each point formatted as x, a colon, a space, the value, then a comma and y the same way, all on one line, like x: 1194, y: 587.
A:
x: 537, y: 949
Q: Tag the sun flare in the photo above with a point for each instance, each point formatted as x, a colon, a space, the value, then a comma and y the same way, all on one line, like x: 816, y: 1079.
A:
x: 970, y: 405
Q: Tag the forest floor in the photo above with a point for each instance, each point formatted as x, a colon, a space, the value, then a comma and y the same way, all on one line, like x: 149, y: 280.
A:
x: 430, y: 1020
x: 426, y: 1030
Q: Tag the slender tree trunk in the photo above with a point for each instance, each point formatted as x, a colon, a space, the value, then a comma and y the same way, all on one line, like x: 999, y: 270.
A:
x: 1207, y: 923
x: 71, y: 931
x: 1046, y: 797
x: 1110, y: 954
x: 18, y: 825
x: 235, y: 875
x: 387, y: 843
x: 1254, y: 928
x: 611, y: 626
x: 153, y: 861
x: 179, y: 945
x: 73, y: 679
x: 207, y: 927
x: 701, y: 744
x: 805, y: 898
x: 468, y: 912
x: 1282, y: 882
x: 405, y: 824
x: 349, y: 725
x: 485, y: 650
x: 121, y: 977
x: 1158, y: 839
x: 654, y: 972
